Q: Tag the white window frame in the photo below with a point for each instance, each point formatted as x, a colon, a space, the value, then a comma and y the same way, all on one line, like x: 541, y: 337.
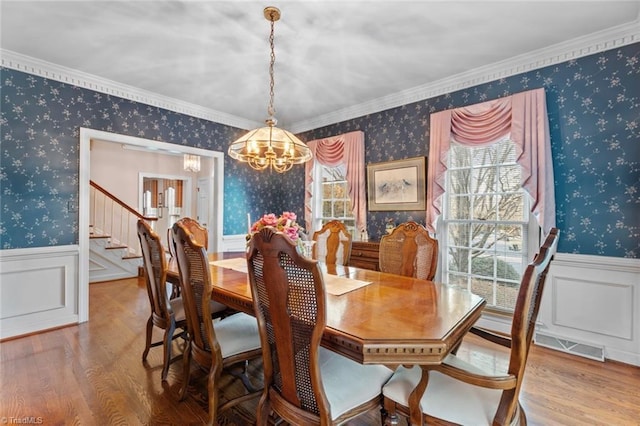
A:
x: 317, y: 200
x: 530, y: 245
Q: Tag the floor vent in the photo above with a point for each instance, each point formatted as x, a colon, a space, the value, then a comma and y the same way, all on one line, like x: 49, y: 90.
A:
x: 587, y: 350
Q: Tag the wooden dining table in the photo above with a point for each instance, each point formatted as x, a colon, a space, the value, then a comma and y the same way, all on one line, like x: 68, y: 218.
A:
x: 390, y: 320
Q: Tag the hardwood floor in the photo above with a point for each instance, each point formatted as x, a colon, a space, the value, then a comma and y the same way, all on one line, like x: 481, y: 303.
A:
x: 92, y: 374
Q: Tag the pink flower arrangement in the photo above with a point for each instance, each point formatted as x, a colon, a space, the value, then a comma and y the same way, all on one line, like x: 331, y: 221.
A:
x: 286, y: 223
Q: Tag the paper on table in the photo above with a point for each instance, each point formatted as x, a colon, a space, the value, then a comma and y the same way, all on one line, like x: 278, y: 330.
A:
x: 237, y: 264
x: 334, y: 284
x: 340, y: 285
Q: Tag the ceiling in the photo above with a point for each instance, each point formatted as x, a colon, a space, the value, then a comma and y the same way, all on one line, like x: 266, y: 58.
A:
x: 330, y: 55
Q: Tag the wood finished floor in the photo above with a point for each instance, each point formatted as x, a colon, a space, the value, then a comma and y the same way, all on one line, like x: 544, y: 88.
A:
x: 92, y: 374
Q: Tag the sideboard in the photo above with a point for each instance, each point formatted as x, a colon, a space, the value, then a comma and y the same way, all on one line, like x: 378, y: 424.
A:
x: 364, y: 255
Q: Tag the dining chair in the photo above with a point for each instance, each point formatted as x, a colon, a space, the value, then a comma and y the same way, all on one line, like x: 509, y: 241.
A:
x: 463, y: 393
x: 305, y: 384
x: 199, y: 232
x: 409, y: 251
x: 166, y: 314
x: 214, y: 345
x: 200, y: 235
x: 333, y: 243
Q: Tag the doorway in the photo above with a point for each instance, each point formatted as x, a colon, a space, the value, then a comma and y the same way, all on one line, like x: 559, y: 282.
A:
x: 167, y: 198
x: 214, y: 174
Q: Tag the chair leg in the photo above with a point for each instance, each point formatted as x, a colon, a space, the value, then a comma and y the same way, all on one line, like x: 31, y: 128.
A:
x: 388, y: 413
x: 391, y: 419
x: 148, y: 339
x: 168, y: 342
x: 212, y: 388
x: 263, y: 411
x: 186, y: 371
x: 244, y: 377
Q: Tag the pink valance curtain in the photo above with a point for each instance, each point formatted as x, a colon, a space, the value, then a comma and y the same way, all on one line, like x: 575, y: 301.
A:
x: 523, y: 117
x: 347, y: 148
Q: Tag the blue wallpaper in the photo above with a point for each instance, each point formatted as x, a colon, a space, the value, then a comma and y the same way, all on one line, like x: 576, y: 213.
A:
x: 39, y: 156
x: 594, y: 113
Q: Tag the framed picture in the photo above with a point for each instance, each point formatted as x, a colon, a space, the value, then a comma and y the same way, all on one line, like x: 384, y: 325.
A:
x: 397, y: 185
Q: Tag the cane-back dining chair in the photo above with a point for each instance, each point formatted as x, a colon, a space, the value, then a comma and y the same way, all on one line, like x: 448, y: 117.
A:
x: 333, y: 243
x: 304, y: 383
x: 199, y: 233
x: 214, y: 345
x: 409, y: 251
x: 166, y: 314
x: 462, y: 393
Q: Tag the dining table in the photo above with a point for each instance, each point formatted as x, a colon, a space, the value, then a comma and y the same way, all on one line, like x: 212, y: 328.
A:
x: 372, y: 317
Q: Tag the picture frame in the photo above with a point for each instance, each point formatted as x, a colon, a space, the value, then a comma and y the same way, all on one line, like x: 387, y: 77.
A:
x: 397, y: 185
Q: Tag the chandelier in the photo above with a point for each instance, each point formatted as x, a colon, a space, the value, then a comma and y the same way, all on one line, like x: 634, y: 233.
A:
x: 270, y: 146
x: 191, y: 163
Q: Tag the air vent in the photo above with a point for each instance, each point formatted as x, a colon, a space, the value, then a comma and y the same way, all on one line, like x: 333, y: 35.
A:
x: 571, y: 346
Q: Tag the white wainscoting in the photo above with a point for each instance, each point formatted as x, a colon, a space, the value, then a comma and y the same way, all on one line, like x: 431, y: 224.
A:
x: 591, y: 300
x: 590, y: 307
x: 594, y: 300
x: 38, y: 289
x: 236, y: 242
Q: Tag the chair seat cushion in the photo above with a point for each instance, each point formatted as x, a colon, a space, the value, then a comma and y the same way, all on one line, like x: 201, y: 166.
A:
x: 217, y: 307
x: 347, y: 383
x: 446, y: 398
x: 237, y: 333
x: 177, y: 307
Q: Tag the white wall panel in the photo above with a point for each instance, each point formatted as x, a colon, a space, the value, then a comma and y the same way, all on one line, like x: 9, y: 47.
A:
x: 593, y: 306
x: 235, y: 243
x: 38, y: 289
x: 594, y: 300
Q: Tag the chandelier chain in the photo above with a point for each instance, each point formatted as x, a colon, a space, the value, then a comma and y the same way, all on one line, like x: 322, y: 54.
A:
x: 271, y: 110
x: 270, y: 147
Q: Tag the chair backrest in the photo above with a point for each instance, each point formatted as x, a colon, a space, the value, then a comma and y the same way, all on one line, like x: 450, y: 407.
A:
x: 289, y: 299
x: 199, y: 232
x: 195, y: 279
x: 524, y: 319
x: 155, y: 267
x: 409, y: 251
x: 333, y: 243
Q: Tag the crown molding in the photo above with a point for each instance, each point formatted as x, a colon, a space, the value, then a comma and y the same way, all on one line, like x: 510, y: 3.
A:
x: 576, y: 48
x: 597, y: 42
x: 28, y: 64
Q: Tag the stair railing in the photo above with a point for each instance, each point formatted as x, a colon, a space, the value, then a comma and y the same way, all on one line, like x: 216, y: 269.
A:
x: 111, y: 216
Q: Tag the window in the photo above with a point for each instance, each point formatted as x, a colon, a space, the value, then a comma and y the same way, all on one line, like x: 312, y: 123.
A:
x: 337, y: 170
x: 487, y: 225
x: 333, y: 202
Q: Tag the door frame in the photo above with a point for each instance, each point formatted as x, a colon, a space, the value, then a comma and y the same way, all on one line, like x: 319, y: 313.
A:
x: 86, y: 135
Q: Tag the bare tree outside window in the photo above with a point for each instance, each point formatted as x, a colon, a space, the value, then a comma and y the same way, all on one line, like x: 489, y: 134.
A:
x: 486, y: 219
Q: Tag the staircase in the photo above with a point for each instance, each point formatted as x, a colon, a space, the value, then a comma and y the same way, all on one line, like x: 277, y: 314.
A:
x: 114, y: 249
x: 109, y: 261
